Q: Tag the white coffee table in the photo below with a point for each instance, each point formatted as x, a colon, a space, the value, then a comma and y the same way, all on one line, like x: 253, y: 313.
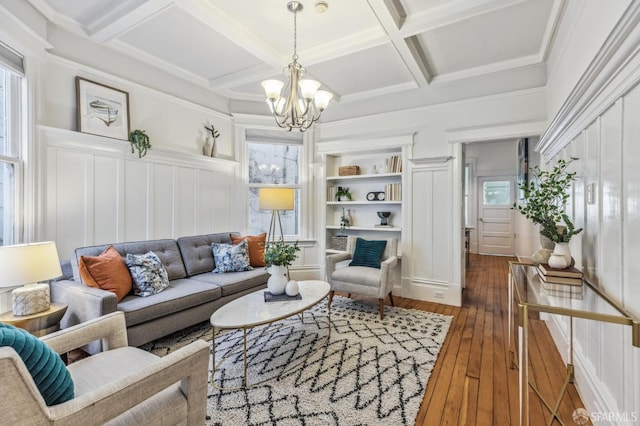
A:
x: 251, y: 311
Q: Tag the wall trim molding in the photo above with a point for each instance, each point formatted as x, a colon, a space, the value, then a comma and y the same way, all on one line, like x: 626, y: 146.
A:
x: 424, y: 161
x: 85, y: 142
x: 347, y: 146
x: 616, y: 67
x: 497, y: 131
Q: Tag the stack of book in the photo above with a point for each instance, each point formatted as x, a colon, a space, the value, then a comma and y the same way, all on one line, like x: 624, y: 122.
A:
x: 560, y: 282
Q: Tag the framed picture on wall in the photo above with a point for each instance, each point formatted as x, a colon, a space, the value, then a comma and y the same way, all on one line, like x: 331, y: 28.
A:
x: 523, y: 165
x: 102, y: 110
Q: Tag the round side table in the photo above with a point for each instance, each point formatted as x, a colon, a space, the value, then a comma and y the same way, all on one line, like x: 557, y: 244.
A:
x: 39, y: 324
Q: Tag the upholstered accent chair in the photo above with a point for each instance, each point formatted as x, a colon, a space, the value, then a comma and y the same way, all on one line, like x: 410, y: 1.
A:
x: 121, y: 386
x: 364, y: 280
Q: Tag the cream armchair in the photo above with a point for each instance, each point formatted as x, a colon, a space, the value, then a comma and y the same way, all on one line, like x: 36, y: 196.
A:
x: 121, y: 386
x: 361, y: 279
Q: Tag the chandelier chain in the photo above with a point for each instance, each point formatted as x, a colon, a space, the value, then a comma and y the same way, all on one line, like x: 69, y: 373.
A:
x: 295, y: 35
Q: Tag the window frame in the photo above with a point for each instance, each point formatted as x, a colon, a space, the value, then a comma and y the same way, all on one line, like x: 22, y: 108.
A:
x: 14, y: 130
x: 245, y: 124
x: 299, y: 186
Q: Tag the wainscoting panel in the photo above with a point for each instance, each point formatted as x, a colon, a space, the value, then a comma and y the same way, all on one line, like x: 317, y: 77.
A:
x: 163, y: 200
x: 106, y: 205
x: 430, y: 241
x: 95, y: 192
x: 137, y: 199
x: 607, y: 203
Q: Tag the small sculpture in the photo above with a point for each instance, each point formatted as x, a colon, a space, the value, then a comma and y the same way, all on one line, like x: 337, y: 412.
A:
x: 383, y: 218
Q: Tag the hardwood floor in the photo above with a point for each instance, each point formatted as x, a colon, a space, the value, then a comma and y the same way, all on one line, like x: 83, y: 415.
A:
x: 472, y: 382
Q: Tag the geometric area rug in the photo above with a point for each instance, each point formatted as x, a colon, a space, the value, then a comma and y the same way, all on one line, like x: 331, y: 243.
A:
x: 370, y: 372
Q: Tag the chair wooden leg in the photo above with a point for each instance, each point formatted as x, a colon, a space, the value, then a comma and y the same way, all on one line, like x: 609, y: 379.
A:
x: 391, y: 299
x: 349, y: 295
x: 381, y: 305
x: 330, y: 298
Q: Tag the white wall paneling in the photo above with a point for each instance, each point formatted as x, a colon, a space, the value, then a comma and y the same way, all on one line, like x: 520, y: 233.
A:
x: 606, y: 363
x: 432, y: 260
x: 97, y: 192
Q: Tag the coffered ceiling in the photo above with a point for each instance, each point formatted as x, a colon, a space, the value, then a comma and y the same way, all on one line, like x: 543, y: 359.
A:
x: 374, y: 55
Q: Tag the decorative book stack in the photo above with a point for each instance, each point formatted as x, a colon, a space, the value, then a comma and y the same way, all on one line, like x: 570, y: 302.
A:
x: 560, y: 282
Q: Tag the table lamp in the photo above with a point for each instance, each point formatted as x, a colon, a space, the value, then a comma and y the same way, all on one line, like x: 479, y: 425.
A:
x: 276, y: 199
x: 26, y: 265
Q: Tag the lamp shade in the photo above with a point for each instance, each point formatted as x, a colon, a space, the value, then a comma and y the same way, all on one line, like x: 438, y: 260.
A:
x: 28, y: 263
x: 276, y: 198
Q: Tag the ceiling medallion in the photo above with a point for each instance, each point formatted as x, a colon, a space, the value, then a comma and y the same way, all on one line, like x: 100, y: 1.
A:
x: 301, y: 103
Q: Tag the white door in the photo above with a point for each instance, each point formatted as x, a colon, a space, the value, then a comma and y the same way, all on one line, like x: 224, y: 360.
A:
x: 495, y: 217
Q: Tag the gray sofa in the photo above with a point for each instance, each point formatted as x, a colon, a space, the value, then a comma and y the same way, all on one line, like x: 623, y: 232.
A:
x: 193, y: 295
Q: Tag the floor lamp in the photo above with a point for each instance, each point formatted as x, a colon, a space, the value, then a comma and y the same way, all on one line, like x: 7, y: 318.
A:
x: 276, y: 199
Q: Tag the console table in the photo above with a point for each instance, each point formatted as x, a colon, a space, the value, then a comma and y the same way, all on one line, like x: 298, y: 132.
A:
x: 526, y: 291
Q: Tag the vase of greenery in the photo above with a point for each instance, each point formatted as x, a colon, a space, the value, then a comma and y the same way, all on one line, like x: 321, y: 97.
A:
x: 209, y: 148
x: 279, y: 256
x: 545, y: 198
x: 140, y: 142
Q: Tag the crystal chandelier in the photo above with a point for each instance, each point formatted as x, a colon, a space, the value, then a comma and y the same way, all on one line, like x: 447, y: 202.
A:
x: 301, y: 103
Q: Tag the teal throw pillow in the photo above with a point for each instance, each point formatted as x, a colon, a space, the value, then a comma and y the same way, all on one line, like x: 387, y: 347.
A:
x: 368, y: 253
x: 148, y: 274
x: 45, y: 366
x: 231, y: 258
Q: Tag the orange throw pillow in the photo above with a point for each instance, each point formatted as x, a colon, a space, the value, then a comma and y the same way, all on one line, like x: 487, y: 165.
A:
x: 256, y: 247
x: 106, y: 271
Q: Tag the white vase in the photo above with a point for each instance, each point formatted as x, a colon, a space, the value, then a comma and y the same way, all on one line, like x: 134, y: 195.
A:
x: 557, y: 261
x: 278, y: 280
x: 292, y: 288
x: 209, y: 147
x: 563, y: 249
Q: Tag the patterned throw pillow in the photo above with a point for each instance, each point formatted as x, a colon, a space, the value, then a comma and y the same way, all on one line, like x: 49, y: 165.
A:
x: 149, y: 276
x: 231, y: 258
x: 368, y: 253
x: 45, y: 366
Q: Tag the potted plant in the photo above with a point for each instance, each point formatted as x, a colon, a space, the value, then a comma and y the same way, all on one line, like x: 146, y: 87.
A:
x: 139, y: 141
x: 343, y: 192
x: 545, y: 197
x: 279, y: 256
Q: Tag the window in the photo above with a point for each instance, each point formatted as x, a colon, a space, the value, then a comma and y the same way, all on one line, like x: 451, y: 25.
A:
x: 273, y: 163
x: 11, y: 70
x: 497, y: 193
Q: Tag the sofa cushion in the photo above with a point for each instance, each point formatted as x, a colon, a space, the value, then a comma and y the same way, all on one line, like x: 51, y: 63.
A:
x: 106, y: 271
x: 196, y: 251
x: 256, y: 247
x: 166, y: 250
x: 234, y: 282
x: 180, y: 295
x: 148, y: 274
x: 231, y: 258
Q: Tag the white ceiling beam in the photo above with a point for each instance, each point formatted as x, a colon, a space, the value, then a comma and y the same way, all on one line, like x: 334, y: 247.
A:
x: 124, y: 18
x: 390, y: 15
x: 557, y: 9
x: 450, y: 13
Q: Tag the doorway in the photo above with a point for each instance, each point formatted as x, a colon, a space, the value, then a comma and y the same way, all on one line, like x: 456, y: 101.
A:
x: 495, y: 218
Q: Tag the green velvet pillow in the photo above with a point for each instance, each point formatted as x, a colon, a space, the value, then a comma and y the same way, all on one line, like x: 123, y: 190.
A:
x: 45, y: 366
x: 368, y: 253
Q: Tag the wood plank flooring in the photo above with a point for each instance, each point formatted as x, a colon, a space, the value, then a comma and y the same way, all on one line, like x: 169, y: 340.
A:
x: 472, y: 382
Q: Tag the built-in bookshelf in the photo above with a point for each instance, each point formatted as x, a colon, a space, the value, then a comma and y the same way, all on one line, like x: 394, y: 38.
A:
x: 377, y: 188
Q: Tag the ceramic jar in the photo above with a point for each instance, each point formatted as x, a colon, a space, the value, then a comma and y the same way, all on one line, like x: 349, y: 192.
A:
x: 278, y: 280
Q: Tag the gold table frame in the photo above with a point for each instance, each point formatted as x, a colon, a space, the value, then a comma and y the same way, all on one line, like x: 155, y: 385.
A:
x: 524, y: 290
